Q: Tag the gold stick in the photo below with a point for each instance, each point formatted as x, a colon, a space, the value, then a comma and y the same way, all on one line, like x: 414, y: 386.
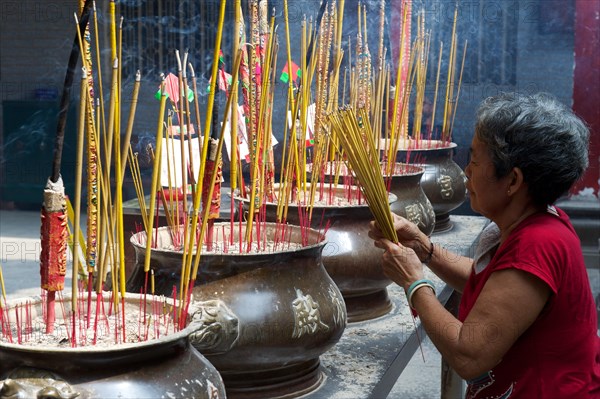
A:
x: 293, y: 142
x: 130, y: 120
x: 78, y: 184
x: 182, y: 130
x: 188, y: 133
x: 119, y: 208
x: 211, y: 101
x: 2, y: 286
x: 81, y: 238
x: 234, y: 115
x: 155, y: 175
x: 113, y: 32
x: 114, y: 56
x: 458, y: 90
x: 450, y: 82
x: 398, y: 83
x: 209, y: 111
x: 134, y: 167
x: 99, y: 68
x: 92, y: 157
x: 437, y: 85
x: 214, y: 172
x: 381, y: 56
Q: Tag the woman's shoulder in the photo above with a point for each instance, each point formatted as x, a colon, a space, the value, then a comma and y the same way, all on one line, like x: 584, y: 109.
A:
x: 545, y: 245
x: 552, y: 225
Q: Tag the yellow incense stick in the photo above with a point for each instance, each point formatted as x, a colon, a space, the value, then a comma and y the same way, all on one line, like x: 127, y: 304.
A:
x: 228, y: 107
x: 99, y: 69
x: 2, y: 285
x: 398, y: 83
x: 449, y: 138
x: 81, y: 238
x: 437, y: 85
x: 233, y: 170
x: 78, y: 184
x: 450, y: 81
x: 155, y: 176
x: 119, y: 211
x: 210, y: 105
x: 130, y: 121
x: 134, y: 168
x: 92, y: 151
x: 186, y: 272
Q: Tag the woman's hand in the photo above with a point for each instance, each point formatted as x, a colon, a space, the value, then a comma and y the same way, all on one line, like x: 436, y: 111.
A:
x: 400, y: 263
x: 408, y: 233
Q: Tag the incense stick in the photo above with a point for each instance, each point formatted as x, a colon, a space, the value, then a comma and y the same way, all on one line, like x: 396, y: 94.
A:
x: 186, y: 267
x: 78, y: 184
x: 155, y: 176
x: 228, y: 107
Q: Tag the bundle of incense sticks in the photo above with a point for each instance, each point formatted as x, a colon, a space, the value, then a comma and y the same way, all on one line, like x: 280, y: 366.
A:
x: 353, y: 133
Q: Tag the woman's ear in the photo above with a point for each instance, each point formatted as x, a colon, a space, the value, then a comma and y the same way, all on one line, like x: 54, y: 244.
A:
x: 515, y: 180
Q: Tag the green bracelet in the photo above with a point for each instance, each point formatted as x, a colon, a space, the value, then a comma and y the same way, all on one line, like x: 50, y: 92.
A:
x: 415, y: 283
x: 414, y: 287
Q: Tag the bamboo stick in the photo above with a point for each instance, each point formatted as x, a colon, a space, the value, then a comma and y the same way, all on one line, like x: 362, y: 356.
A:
x: 197, y: 112
x: 81, y: 238
x: 253, y: 132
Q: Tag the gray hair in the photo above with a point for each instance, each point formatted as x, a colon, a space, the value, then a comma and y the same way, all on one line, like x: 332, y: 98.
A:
x: 539, y: 135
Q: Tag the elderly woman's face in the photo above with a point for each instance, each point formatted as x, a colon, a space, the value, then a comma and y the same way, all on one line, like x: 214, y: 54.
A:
x: 487, y: 194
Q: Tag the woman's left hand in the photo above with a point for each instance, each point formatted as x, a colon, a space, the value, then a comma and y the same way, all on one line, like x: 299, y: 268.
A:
x: 401, y: 264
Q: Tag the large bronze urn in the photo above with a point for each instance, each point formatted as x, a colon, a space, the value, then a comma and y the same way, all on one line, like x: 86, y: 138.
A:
x: 267, y: 314
x: 167, y: 366
x: 350, y: 257
x: 443, y: 180
x: 404, y: 181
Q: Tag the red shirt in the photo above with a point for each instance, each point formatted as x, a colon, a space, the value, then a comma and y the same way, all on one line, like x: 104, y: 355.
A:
x: 559, y: 354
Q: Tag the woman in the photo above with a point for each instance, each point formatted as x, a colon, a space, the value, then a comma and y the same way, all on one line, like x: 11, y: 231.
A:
x: 527, y: 323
